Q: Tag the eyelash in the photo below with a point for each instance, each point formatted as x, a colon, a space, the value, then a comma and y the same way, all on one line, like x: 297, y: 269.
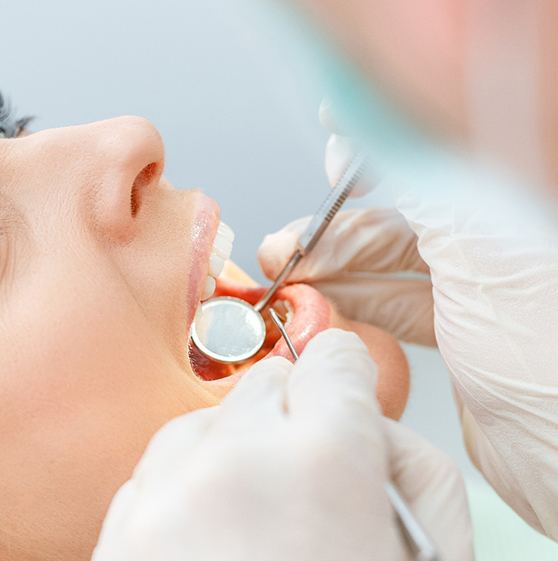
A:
x: 10, y: 126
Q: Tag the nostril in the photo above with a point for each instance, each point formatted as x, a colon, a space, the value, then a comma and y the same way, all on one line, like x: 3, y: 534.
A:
x: 143, y: 180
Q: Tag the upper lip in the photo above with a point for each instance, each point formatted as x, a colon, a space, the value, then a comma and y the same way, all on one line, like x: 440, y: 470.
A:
x: 204, y: 229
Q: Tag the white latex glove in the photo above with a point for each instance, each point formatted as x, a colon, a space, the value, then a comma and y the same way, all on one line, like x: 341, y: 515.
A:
x: 358, y: 265
x: 495, y: 291
x: 360, y: 258
x: 339, y: 152
x: 291, y: 466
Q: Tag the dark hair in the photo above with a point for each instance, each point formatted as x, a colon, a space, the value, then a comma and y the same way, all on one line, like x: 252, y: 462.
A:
x: 10, y: 126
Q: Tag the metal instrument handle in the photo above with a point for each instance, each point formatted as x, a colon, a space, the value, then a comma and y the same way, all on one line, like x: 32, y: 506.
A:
x: 417, y: 539
x: 333, y: 202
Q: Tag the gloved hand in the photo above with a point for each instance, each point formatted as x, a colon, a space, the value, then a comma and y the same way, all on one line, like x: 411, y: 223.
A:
x: 494, y: 271
x: 360, y: 258
x: 293, y: 466
x: 357, y: 265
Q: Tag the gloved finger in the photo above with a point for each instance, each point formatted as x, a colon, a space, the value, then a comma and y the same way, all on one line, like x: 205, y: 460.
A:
x: 258, y: 398
x: 123, y: 507
x: 333, y: 382
x: 363, y: 241
x: 434, y: 488
x: 168, y: 451
x: 401, y: 306
x: 174, y: 443
x: 340, y: 151
x: 338, y: 155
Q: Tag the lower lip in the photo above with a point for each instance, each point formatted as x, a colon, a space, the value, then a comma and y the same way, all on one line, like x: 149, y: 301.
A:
x: 311, y: 314
x: 202, y: 236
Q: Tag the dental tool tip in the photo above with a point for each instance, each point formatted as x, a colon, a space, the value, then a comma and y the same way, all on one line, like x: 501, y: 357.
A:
x: 277, y: 321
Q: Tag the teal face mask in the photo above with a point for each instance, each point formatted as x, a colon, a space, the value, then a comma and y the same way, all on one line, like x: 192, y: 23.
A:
x: 395, y: 143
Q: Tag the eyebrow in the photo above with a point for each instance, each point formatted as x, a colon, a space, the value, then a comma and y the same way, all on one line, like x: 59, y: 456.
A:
x: 10, y: 125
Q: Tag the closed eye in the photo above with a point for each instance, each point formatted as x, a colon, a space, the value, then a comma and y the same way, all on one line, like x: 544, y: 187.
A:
x: 10, y: 125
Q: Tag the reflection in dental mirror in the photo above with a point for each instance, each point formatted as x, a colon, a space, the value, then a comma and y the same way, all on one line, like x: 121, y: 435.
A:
x: 228, y: 330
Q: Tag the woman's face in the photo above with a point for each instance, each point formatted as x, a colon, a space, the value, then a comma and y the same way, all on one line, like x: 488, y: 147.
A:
x: 102, y: 267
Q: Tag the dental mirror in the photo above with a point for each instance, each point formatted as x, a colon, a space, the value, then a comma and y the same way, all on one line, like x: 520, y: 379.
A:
x: 229, y: 330
x: 216, y: 331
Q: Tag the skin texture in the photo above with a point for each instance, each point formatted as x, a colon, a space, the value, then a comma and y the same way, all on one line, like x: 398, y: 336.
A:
x: 101, y: 267
x: 433, y: 57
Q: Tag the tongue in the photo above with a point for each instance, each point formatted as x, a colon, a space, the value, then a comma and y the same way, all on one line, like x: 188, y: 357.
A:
x: 307, y: 313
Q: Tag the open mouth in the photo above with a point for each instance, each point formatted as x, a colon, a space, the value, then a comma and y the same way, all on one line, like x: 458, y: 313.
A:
x: 305, y: 313
x: 304, y: 310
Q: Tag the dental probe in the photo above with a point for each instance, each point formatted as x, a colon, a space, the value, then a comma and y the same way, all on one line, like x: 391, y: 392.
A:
x: 318, y: 224
x: 229, y: 330
x: 417, y: 539
x: 281, y: 327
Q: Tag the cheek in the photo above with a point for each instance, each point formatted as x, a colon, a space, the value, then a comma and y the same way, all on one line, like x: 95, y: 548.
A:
x: 89, y: 351
x: 83, y: 389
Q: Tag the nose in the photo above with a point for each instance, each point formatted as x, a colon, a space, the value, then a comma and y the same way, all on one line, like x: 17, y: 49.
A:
x: 129, y: 158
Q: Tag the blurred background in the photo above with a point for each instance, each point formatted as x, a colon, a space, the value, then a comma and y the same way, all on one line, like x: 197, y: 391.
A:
x: 237, y: 106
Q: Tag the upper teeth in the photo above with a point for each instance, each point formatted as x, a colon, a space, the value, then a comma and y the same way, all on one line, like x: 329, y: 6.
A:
x: 221, y: 251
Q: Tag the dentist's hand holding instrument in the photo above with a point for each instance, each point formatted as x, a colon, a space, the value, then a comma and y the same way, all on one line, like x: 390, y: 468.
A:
x: 360, y: 258
x: 293, y: 465
x: 486, y: 285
